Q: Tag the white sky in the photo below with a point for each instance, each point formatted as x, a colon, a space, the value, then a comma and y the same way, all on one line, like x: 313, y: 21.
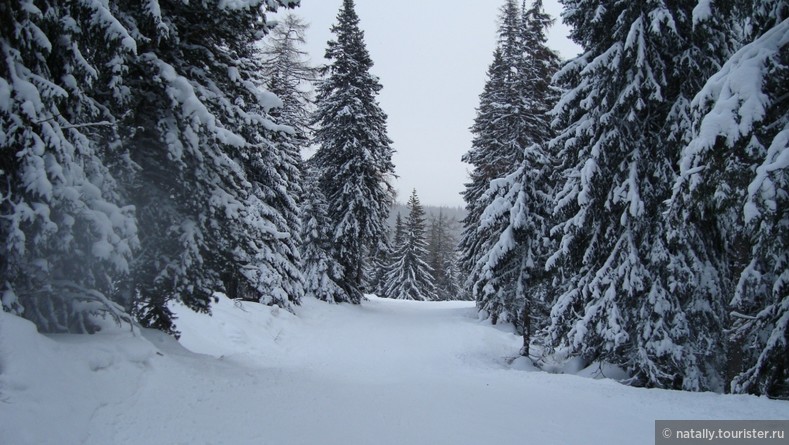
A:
x: 431, y: 59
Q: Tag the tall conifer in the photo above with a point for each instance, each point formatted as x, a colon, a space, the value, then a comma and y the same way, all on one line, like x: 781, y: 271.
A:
x: 355, y: 156
x: 510, y: 233
x: 732, y: 190
x: 617, y: 173
x: 495, y: 150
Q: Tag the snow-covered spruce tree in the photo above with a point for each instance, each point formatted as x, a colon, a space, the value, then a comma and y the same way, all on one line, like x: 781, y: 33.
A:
x: 618, y: 171
x: 213, y: 206
x: 513, y: 284
x: 453, y: 279
x: 382, y: 265
x: 513, y: 225
x: 735, y: 173
x: 495, y: 150
x: 285, y: 71
x: 436, y: 245
x: 65, y: 236
x: 442, y: 256
x: 410, y: 276
x: 762, y: 293
x: 321, y: 270
x: 697, y: 269
x: 537, y: 65
x: 355, y: 156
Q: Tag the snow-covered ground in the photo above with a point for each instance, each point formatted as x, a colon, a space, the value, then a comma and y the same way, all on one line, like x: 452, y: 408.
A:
x: 387, y: 372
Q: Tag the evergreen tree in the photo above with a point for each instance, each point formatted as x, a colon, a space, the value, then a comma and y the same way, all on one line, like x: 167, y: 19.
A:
x: 453, y: 279
x: 285, y: 71
x: 375, y: 265
x: 65, y: 235
x: 617, y: 172
x: 513, y: 223
x: 442, y: 257
x: 733, y: 187
x: 696, y: 269
x: 513, y: 285
x: 214, y: 210
x: 511, y: 117
x: 206, y: 169
x: 761, y: 296
x: 381, y: 265
x: 375, y: 270
x: 437, y: 248
x: 410, y: 276
x: 495, y: 151
x: 321, y: 272
x: 436, y: 241
x: 355, y: 157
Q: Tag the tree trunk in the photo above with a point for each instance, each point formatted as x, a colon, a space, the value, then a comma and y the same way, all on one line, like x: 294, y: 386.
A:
x: 526, y: 323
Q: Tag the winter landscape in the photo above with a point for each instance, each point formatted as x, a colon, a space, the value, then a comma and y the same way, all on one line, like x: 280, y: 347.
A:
x: 204, y: 236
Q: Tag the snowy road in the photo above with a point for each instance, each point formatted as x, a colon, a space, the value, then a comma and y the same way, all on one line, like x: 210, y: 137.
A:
x: 387, y: 372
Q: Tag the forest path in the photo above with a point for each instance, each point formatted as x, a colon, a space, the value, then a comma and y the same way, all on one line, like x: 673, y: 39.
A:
x: 385, y: 372
x: 390, y: 340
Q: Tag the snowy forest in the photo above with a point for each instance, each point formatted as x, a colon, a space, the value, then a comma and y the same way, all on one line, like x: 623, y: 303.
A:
x: 626, y: 209
x: 630, y: 205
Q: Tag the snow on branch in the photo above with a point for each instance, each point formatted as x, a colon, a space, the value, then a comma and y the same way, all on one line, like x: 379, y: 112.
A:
x: 271, y: 5
x: 735, y: 92
x: 181, y: 91
x: 733, y: 102
x: 105, y: 20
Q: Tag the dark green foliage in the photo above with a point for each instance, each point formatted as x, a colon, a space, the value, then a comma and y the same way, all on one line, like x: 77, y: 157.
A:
x: 355, y: 157
x: 321, y: 271
x: 214, y: 172
x: 731, y: 193
x: 504, y: 243
x: 65, y: 231
x: 153, y: 111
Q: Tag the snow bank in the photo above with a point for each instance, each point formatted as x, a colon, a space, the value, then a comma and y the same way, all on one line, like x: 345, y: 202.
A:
x: 243, y: 331
x: 50, y: 387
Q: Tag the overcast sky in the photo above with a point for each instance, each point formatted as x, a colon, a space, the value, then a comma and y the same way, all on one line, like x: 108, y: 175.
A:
x: 431, y: 59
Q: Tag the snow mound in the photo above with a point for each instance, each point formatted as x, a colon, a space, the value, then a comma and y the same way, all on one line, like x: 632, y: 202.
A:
x: 238, y: 330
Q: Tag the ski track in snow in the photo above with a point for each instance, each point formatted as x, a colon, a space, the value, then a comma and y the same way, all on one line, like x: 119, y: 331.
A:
x: 385, y: 372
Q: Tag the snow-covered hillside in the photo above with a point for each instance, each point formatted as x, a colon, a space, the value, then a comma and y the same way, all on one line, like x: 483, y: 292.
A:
x: 385, y: 372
